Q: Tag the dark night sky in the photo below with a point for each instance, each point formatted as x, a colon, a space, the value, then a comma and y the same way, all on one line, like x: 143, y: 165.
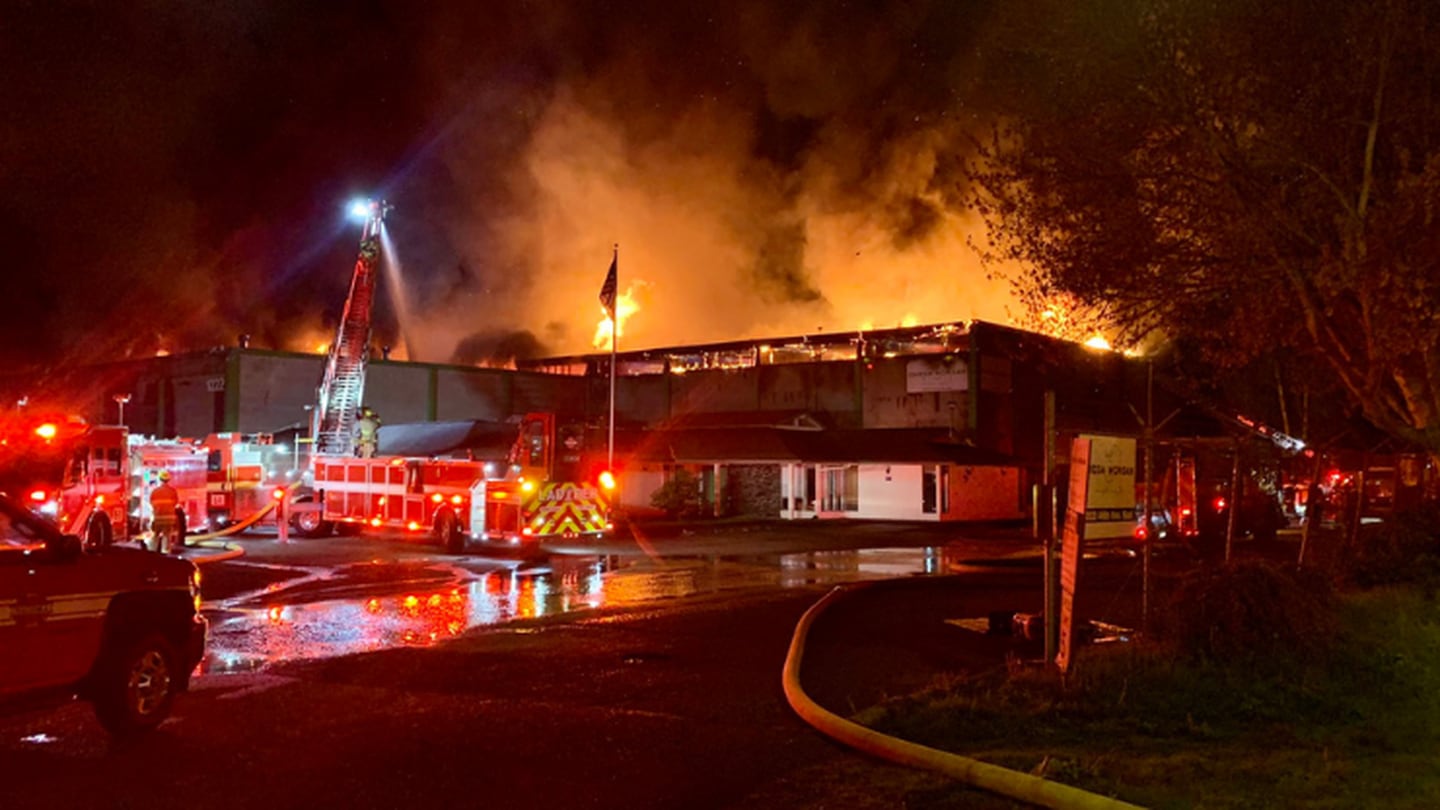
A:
x: 173, y: 174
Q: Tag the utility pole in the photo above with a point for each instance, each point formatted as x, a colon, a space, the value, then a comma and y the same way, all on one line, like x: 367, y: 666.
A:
x: 120, y: 400
x: 1045, y: 508
x: 1149, y: 447
x: 1235, y: 492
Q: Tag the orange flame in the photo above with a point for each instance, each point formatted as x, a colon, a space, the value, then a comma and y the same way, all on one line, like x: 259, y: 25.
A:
x: 625, y: 306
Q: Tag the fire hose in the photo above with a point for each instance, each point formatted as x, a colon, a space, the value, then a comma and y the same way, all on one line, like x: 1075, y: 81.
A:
x: 1015, y: 784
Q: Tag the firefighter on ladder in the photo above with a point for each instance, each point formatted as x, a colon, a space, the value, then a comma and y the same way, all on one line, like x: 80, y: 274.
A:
x: 164, y: 520
x: 367, y: 433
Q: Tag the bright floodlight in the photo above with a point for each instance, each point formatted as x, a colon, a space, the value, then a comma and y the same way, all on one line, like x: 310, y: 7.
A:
x: 361, y: 209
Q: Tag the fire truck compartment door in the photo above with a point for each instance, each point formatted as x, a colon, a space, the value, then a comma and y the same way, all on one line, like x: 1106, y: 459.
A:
x: 477, y: 508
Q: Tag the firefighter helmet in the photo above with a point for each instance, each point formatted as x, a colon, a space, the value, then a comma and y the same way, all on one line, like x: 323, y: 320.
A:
x: 164, y: 475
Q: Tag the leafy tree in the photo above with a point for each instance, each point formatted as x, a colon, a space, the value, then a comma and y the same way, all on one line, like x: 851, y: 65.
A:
x: 1247, y: 177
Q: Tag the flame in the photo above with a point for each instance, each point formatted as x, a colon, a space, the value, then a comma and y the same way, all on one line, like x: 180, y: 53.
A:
x: 910, y: 319
x: 625, y: 306
x: 1099, y: 342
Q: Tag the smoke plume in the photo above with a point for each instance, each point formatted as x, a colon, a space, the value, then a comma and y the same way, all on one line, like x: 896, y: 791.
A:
x: 763, y: 168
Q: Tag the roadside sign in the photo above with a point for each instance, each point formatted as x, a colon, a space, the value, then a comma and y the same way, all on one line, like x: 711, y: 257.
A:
x: 1070, y: 543
x: 1110, y: 501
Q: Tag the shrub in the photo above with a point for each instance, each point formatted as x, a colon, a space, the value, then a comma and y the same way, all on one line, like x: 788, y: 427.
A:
x: 1404, y: 549
x: 679, y: 496
x: 1252, y: 612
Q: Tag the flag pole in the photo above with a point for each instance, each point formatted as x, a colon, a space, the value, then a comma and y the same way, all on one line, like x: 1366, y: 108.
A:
x: 614, y: 349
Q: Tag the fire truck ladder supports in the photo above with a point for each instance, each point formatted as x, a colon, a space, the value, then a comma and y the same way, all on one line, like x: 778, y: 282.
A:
x: 343, y: 387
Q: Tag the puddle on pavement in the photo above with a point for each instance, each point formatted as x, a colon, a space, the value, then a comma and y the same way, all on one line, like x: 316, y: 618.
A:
x: 363, y: 608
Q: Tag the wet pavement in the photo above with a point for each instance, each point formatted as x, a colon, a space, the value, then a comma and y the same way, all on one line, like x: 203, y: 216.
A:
x: 611, y: 705
x: 320, y: 598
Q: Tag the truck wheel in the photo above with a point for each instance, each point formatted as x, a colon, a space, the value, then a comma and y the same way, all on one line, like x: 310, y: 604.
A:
x: 135, y: 687
x: 447, y: 532
x: 310, y: 524
x: 98, y: 533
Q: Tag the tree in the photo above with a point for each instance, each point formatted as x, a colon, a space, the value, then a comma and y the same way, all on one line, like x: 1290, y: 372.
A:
x: 1248, y: 177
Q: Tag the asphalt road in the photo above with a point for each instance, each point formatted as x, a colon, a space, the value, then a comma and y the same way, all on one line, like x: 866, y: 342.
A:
x: 670, y: 702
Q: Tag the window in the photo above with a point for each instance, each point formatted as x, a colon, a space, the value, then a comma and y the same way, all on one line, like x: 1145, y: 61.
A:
x: 927, y: 491
x: 842, y: 489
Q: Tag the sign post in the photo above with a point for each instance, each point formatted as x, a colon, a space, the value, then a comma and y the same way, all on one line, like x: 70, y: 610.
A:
x: 1071, y: 540
x: 282, y: 524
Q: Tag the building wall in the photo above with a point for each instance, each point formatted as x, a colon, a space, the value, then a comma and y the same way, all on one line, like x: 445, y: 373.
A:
x: 889, y: 401
x: 272, y: 390
x: 785, y: 388
x: 472, y: 394
x: 837, y: 392
x: 985, y: 493
x: 754, y: 490
x: 637, y: 484
x: 198, y: 402
x: 398, y: 392
x: 716, y: 391
x: 638, y: 400
x: 892, y: 492
x: 533, y: 391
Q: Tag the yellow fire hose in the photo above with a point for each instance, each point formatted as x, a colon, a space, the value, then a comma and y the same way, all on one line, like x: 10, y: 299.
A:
x: 247, y: 522
x: 1015, y: 784
x: 235, y: 527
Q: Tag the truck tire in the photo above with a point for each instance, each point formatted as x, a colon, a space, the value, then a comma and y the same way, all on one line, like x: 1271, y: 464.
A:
x: 447, y: 532
x: 310, y: 524
x: 98, y: 533
x: 135, y: 686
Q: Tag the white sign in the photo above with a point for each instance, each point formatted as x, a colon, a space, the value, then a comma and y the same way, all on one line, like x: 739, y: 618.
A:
x: 1110, y: 506
x: 215, y: 384
x: 926, y: 375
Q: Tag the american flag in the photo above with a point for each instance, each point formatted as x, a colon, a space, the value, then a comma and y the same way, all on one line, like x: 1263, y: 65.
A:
x: 607, y: 290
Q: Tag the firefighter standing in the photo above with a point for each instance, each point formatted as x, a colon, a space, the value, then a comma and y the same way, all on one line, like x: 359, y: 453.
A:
x: 164, y: 519
x: 367, y: 433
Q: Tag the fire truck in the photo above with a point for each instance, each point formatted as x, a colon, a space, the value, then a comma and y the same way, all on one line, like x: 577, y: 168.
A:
x: 545, y: 491
x: 94, y: 480
x: 243, y: 472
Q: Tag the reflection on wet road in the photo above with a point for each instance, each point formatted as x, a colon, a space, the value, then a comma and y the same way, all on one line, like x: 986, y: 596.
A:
x: 325, y: 612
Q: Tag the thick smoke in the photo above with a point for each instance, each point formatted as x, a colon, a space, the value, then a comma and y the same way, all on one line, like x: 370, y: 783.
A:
x: 764, y: 168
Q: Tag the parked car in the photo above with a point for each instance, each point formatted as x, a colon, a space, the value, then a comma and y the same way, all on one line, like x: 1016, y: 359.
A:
x: 117, y: 626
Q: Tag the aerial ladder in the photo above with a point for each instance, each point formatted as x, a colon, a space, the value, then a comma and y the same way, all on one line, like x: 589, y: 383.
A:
x: 343, y: 386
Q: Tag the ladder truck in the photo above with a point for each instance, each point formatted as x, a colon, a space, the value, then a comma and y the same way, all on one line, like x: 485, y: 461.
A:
x: 455, y: 501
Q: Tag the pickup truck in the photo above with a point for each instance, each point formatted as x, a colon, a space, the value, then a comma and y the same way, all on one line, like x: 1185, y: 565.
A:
x: 117, y: 626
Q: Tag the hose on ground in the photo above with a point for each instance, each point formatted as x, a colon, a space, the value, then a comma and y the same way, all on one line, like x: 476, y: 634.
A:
x: 1014, y: 784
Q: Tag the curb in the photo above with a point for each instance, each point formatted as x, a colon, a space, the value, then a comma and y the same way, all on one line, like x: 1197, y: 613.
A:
x: 1014, y: 784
